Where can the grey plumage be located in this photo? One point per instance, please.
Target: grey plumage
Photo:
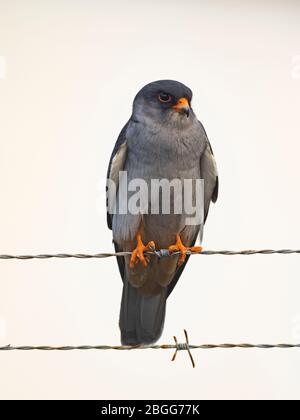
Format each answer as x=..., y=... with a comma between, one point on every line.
x=157, y=143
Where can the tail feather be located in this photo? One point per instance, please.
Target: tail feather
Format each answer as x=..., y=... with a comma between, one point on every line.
x=141, y=317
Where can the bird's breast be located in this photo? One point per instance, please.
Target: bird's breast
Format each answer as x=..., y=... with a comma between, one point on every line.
x=163, y=153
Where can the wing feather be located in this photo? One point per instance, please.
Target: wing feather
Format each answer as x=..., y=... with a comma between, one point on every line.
x=116, y=164
x=209, y=173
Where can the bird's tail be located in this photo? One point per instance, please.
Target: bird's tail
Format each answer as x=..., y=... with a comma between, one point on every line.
x=141, y=317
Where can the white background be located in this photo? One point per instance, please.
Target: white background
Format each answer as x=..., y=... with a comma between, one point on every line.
x=69, y=72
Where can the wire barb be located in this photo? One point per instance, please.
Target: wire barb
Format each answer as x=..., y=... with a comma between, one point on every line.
x=183, y=346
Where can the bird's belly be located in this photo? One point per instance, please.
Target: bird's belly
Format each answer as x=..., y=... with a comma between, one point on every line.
x=162, y=229
x=166, y=214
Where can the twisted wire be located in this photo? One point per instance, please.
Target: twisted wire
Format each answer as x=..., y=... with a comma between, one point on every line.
x=178, y=346
x=160, y=253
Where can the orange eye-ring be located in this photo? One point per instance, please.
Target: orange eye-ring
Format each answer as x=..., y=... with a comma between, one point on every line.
x=164, y=97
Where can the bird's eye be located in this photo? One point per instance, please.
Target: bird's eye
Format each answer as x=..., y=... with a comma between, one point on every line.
x=164, y=97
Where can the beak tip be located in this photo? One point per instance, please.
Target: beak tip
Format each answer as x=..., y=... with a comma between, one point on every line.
x=183, y=107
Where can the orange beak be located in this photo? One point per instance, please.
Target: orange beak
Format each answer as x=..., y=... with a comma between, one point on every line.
x=182, y=106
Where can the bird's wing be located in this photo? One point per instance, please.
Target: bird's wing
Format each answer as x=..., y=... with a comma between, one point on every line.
x=116, y=164
x=209, y=173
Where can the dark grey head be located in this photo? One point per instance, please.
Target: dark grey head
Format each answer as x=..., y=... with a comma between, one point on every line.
x=163, y=100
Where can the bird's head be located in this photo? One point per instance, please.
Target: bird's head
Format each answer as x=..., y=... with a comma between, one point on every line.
x=164, y=101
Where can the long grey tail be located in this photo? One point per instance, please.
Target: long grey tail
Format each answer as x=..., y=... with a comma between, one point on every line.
x=141, y=317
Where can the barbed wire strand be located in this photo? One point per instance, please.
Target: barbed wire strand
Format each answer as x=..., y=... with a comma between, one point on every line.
x=153, y=347
x=177, y=346
x=160, y=253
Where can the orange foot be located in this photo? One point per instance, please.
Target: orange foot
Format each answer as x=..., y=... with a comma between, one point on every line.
x=138, y=253
x=183, y=249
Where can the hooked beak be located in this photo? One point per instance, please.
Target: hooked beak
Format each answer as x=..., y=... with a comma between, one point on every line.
x=182, y=106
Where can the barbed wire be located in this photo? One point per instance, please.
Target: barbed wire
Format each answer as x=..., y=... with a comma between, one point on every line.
x=177, y=346
x=159, y=253
x=152, y=347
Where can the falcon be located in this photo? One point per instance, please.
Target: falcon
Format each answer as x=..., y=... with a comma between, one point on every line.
x=163, y=140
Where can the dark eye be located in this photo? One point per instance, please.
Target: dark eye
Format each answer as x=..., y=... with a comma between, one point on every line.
x=164, y=97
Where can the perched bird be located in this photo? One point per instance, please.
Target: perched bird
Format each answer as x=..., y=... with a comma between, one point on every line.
x=162, y=140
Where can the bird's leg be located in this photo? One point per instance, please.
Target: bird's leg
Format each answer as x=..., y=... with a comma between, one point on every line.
x=183, y=249
x=138, y=253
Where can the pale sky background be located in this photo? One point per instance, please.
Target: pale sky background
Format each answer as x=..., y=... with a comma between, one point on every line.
x=68, y=73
